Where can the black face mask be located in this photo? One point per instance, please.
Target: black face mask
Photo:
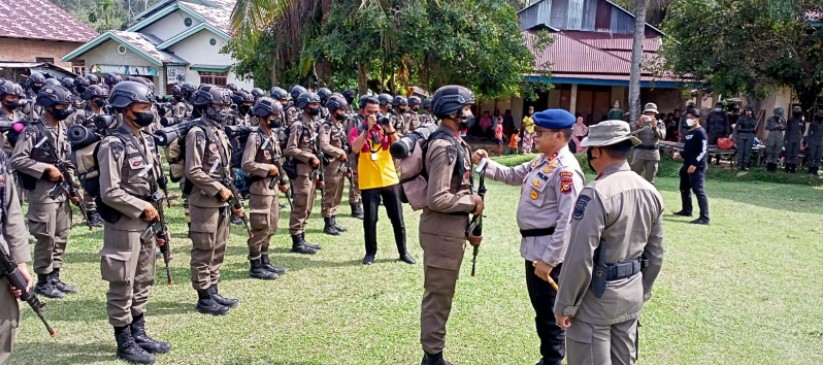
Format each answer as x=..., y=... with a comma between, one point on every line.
x=797, y=115
x=589, y=159
x=244, y=109
x=11, y=105
x=340, y=117
x=274, y=123
x=465, y=121
x=100, y=103
x=61, y=114
x=36, y=89
x=143, y=119
x=350, y=100
x=313, y=111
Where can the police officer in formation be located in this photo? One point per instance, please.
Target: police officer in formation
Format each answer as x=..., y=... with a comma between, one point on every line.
x=208, y=156
x=775, y=139
x=14, y=242
x=11, y=109
x=450, y=200
x=241, y=114
x=293, y=113
x=550, y=184
x=41, y=147
x=399, y=118
x=615, y=249
x=130, y=171
x=334, y=143
x=324, y=94
x=649, y=130
x=427, y=117
x=745, y=134
x=302, y=148
x=261, y=162
x=814, y=139
x=96, y=99
x=793, y=137
x=718, y=126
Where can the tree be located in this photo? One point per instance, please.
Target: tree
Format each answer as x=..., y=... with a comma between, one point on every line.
x=746, y=47
x=388, y=45
x=637, y=56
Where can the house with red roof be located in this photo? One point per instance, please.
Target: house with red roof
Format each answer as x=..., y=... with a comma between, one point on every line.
x=590, y=60
x=36, y=34
x=170, y=42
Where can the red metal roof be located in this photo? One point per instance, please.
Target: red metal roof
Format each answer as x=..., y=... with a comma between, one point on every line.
x=594, y=55
x=41, y=19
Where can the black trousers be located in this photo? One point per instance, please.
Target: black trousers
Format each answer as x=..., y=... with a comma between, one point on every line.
x=694, y=182
x=542, y=296
x=392, y=202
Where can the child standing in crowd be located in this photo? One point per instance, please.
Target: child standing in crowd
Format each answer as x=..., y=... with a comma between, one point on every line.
x=512, y=148
x=499, y=137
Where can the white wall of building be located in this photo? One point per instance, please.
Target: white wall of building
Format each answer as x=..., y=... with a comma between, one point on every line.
x=103, y=59
x=198, y=51
x=170, y=25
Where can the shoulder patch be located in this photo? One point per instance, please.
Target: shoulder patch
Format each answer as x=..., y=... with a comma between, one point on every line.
x=565, y=174
x=200, y=137
x=451, y=153
x=117, y=148
x=580, y=207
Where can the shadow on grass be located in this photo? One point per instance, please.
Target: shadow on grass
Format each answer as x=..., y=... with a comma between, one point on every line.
x=95, y=309
x=271, y=362
x=67, y=353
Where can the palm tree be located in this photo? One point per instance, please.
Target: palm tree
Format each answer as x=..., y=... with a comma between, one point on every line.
x=637, y=54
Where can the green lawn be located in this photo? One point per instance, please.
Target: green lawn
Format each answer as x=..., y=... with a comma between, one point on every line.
x=745, y=290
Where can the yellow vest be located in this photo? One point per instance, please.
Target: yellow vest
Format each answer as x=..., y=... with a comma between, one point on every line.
x=376, y=174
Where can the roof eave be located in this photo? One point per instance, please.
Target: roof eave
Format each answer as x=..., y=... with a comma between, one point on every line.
x=192, y=31
x=105, y=37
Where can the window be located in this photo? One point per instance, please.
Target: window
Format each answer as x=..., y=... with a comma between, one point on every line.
x=187, y=22
x=44, y=60
x=213, y=78
x=79, y=67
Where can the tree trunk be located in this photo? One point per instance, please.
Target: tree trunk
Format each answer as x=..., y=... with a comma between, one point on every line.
x=637, y=57
x=362, y=86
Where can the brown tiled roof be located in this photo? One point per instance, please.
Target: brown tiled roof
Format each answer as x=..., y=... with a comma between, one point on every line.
x=41, y=19
x=217, y=15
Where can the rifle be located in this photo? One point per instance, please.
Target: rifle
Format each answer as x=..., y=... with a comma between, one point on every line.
x=317, y=173
x=161, y=231
x=68, y=187
x=8, y=268
x=280, y=179
x=234, y=201
x=476, y=225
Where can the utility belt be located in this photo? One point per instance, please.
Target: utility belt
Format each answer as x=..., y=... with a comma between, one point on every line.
x=647, y=147
x=539, y=232
x=625, y=269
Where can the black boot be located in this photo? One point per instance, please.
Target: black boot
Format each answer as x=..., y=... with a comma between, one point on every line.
x=207, y=305
x=227, y=302
x=149, y=344
x=771, y=166
x=813, y=170
x=436, y=359
x=299, y=247
x=264, y=261
x=329, y=228
x=307, y=244
x=368, y=259
x=258, y=272
x=236, y=220
x=404, y=255
x=787, y=167
x=793, y=167
x=128, y=349
x=45, y=287
x=357, y=210
x=337, y=226
x=95, y=220
x=66, y=288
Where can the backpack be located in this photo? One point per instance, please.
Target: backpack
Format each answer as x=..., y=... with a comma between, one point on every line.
x=175, y=150
x=413, y=175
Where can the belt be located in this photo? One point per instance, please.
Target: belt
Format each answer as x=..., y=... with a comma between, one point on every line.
x=647, y=147
x=747, y=131
x=626, y=268
x=539, y=232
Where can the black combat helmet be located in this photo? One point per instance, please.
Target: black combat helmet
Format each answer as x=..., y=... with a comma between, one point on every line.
x=53, y=95
x=324, y=94
x=384, y=99
x=306, y=98
x=241, y=96
x=278, y=94
x=449, y=100
x=111, y=79
x=265, y=107
x=335, y=102
x=296, y=91
x=399, y=101
x=127, y=92
x=209, y=94
x=93, y=79
x=94, y=91
x=257, y=93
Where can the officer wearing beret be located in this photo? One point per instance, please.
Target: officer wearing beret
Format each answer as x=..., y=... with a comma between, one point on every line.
x=550, y=184
x=615, y=253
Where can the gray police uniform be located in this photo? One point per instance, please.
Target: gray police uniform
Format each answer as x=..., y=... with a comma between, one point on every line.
x=15, y=242
x=550, y=185
x=814, y=140
x=617, y=220
x=775, y=138
x=646, y=156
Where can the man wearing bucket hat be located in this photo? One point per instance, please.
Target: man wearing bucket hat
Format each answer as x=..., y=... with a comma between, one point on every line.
x=649, y=129
x=550, y=184
x=614, y=254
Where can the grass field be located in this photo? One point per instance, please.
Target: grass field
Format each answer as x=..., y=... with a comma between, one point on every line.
x=745, y=290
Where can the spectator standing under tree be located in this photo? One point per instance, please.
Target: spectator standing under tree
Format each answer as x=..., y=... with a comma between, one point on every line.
x=486, y=124
x=616, y=113
x=499, y=137
x=529, y=130
x=509, y=123
x=514, y=138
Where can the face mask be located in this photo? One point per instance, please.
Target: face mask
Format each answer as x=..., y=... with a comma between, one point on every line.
x=465, y=121
x=340, y=117
x=313, y=111
x=589, y=159
x=217, y=114
x=350, y=100
x=415, y=108
x=11, y=105
x=244, y=109
x=797, y=115
x=143, y=119
x=274, y=123
x=35, y=88
x=62, y=114
x=100, y=103
x=690, y=122
x=718, y=109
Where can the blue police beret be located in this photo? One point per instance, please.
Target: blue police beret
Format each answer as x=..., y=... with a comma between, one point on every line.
x=554, y=119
